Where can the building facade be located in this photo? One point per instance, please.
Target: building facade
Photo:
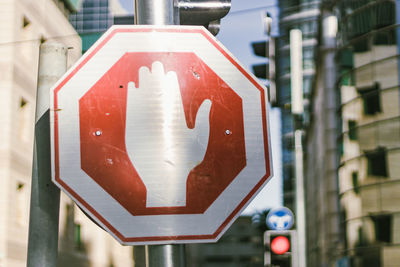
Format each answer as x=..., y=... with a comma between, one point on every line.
x=351, y=125
x=91, y=21
x=323, y=213
x=240, y=246
x=369, y=172
x=94, y=17
x=319, y=124
x=303, y=15
x=24, y=26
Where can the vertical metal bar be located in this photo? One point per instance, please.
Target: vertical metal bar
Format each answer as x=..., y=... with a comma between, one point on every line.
x=160, y=12
x=45, y=196
x=155, y=12
x=300, y=203
x=166, y=256
x=296, y=73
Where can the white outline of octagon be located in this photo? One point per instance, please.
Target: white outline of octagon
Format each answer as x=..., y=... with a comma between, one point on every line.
x=158, y=229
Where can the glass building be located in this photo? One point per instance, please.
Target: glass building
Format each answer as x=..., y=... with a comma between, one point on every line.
x=369, y=172
x=303, y=15
x=93, y=19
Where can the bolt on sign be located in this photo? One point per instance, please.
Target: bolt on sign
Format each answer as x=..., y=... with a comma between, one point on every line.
x=160, y=135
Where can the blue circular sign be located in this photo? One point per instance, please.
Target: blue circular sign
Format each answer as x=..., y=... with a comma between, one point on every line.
x=280, y=219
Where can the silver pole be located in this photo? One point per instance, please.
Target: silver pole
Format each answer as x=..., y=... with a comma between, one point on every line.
x=296, y=67
x=45, y=196
x=156, y=12
x=160, y=12
x=166, y=256
x=300, y=203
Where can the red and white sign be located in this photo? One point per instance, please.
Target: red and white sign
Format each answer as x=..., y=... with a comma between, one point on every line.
x=160, y=135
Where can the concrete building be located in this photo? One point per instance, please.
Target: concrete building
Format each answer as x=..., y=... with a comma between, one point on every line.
x=364, y=128
x=369, y=172
x=24, y=25
x=241, y=246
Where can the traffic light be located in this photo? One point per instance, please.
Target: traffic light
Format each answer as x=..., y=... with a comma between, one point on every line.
x=207, y=13
x=260, y=49
x=280, y=248
x=266, y=70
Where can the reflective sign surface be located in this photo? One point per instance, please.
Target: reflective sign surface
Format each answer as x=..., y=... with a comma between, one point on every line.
x=160, y=135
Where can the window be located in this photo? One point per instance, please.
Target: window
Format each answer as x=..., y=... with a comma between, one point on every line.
x=361, y=45
x=21, y=203
x=288, y=174
x=385, y=37
x=385, y=14
x=343, y=224
x=346, y=59
x=25, y=126
x=352, y=126
x=103, y=3
x=307, y=85
x=25, y=22
x=354, y=180
x=377, y=162
x=371, y=99
x=77, y=236
x=26, y=49
x=288, y=141
x=359, y=23
x=42, y=39
x=347, y=77
x=362, y=239
x=383, y=228
x=87, y=4
x=340, y=147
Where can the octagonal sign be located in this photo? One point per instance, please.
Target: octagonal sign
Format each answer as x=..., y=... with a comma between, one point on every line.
x=160, y=135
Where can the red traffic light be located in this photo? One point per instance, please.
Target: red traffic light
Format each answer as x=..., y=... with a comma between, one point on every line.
x=280, y=245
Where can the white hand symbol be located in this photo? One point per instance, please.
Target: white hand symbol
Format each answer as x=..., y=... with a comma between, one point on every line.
x=160, y=145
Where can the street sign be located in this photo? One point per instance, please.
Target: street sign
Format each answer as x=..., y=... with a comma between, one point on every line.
x=280, y=219
x=160, y=135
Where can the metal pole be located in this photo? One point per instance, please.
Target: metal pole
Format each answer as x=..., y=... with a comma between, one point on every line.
x=45, y=196
x=300, y=205
x=166, y=256
x=296, y=67
x=156, y=12
x=160, y=12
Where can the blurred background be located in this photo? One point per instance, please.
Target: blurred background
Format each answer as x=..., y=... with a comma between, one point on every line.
x=335, y=129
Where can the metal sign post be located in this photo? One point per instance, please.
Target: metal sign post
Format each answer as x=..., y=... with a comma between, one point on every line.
x=165, y=256
x=296, y=66
x=45, y=196
x=160, y=12
x=156, y=12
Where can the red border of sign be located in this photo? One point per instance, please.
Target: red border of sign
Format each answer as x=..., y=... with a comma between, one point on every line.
x=91, y=209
